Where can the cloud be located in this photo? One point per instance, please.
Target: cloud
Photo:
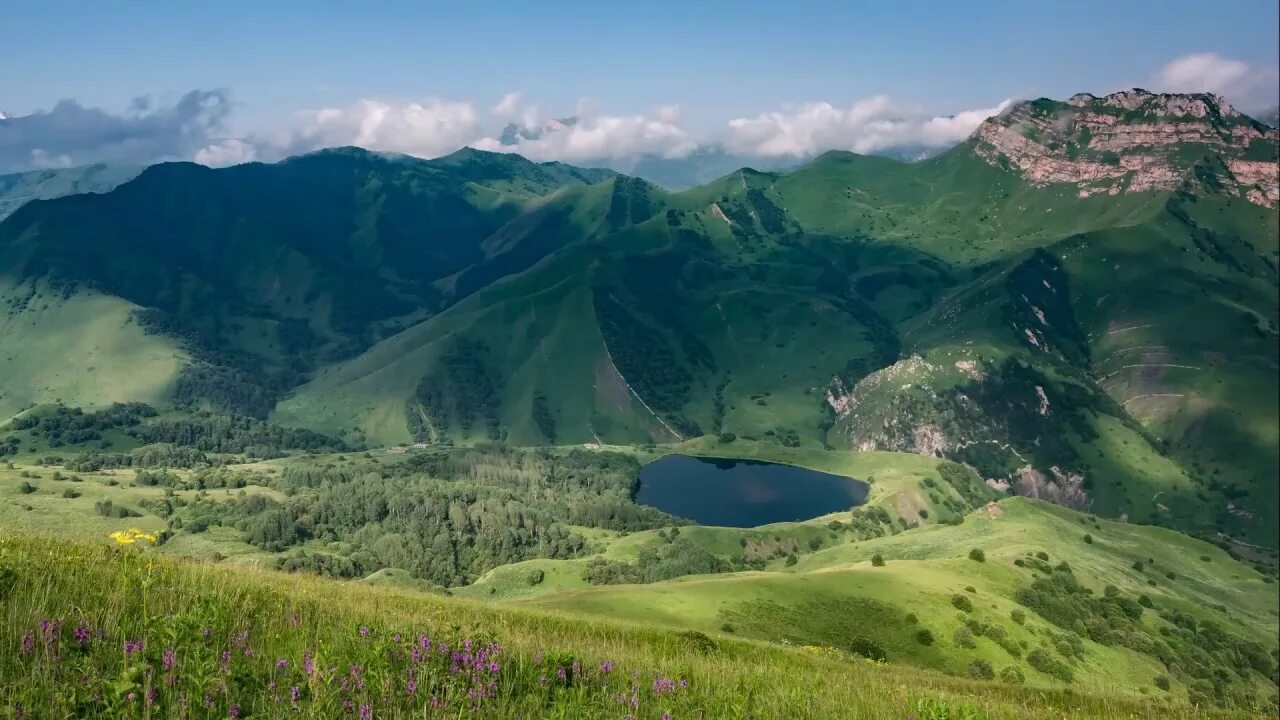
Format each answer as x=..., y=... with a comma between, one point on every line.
x=1241, y=83
x=872, y=125
x=589, y=137
x=228, y=151
x=429, y=128
x=507, y=107
x=72, y=134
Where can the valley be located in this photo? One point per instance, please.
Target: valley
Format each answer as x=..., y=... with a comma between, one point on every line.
x=993, y=432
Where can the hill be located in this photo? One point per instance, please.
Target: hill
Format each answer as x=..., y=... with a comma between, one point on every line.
x=1079, y=303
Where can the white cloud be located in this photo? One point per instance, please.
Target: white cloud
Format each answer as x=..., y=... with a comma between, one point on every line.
x=507, y=107
x=229, y=151
x=597, y=137
x=872, y=125
x=429, y=128
x=1241, y=83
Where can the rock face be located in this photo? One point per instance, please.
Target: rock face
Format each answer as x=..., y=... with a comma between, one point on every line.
x=1134, y=141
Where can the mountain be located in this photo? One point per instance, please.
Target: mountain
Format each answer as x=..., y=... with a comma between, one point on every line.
x=19, y=188
x=1079, y=302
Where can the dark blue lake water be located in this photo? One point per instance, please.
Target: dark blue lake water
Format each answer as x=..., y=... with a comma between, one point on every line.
x=743, y=493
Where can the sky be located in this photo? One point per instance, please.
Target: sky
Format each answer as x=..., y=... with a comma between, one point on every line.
x=141, y=81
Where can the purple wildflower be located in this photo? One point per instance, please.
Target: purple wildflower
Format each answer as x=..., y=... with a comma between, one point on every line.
x=151, y=697
x=294, y=694
x=308, y=665
x=662, y=685
x=131, y=647
x=281, y=664
x=606, y=667
x=82, y=634
x=364, y=631
x=366, y=712
x=170, y=659
x=131, y=697
x=233, y=711
x=28, y=643
x=424, y=642
x=410, y=687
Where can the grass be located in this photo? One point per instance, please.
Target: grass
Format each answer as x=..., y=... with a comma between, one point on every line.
x=121, y=594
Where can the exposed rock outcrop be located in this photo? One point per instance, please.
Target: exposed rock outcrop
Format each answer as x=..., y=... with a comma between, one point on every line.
x=1133, y=141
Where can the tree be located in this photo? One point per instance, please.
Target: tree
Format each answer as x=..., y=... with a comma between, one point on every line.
x=877, y=560
x=978, y=555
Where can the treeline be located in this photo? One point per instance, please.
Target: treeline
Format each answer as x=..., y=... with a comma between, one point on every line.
x=459, y=391
x=221, y=433
x=73, y=426
x=446, y=517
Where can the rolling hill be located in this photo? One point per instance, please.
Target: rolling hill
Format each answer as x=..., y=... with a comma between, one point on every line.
x=1079, y=302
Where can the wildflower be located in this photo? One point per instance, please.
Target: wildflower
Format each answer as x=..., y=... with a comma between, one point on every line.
x=151, y=697
x=233, y=711
x=294, y=694
x=410, y=687
x=424, y=642
x=170, y=659
x=82, y=634
x=28, y=643
x=366, y=712
x=396, y=638
x=666, y=716
x=308, y=665
x=606, y=667
x=131, y=696
x=281, y=664
x=364, y=632
x=662, y=685
x=132, y=647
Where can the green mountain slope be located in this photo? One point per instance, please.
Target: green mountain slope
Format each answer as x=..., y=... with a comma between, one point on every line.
x=20, y=188
x=1079, y=302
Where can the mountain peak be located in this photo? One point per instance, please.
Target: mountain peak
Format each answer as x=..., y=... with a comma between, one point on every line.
x=1132, y=141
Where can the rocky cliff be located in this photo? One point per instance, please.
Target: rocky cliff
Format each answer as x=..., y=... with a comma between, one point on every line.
x=1134, y=141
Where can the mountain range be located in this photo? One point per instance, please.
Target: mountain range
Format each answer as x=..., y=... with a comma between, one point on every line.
x=1079, y=302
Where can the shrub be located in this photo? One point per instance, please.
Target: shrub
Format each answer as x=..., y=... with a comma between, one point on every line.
x=1012, y=674
x=1137, y=565
x=924, y=636
x=924, y=514
x=727, y=437
x=1018, y=616
x=1162, y=682
x=70, y=493
x=791, y=559
x=971, y=589
x=962, y=603
x=26, y=488
x=977, y=555
x=536, y=576
x=1049, y=665
x=964, y=638
x=1043, y=555
x=877, y=560
x=1019, y=562
x=1088, y=538
x=866, y=648
x=726, y=627
x=911, y=619
x=1145, y=601
x=981, y=670
x=1205, y=558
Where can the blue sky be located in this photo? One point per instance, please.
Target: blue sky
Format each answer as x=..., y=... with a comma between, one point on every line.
x=716, y=60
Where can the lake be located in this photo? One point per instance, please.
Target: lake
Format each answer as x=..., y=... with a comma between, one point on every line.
x=743, y=493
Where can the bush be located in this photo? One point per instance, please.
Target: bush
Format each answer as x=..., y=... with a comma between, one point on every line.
x=971, y=589
x=962, y=603
x=536, y=576
x=1145, y=601
x=981, y=670
x=1205, y=558
x=1018, y=616
x=1049, y=665
x=726, y=627
x=924, y=636
x=70, y=493
x=866, y=648
x=1088, y=538
x=1137, y=565
x=1162, y=682
x=1012, y=674
x=977, y=555
x=912, y=619
x=1043, y=555
x=26, y=488
x=877, y=560
x=964, y=638
x=727, y=437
